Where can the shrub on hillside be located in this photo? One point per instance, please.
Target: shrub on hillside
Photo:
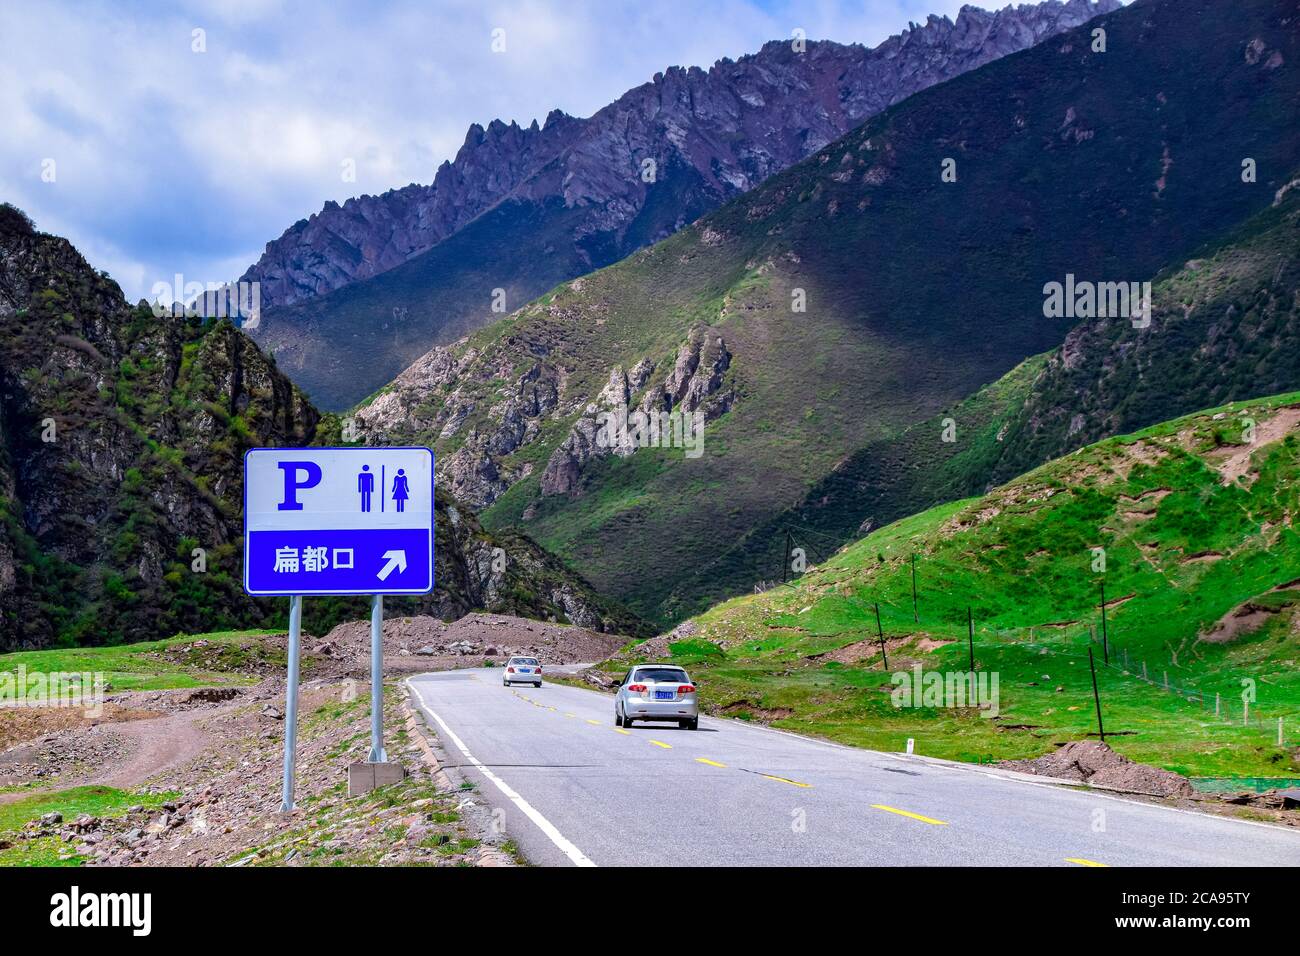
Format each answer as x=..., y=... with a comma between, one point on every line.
x=14, y=220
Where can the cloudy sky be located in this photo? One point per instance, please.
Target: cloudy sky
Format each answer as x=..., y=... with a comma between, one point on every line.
x=175, y=151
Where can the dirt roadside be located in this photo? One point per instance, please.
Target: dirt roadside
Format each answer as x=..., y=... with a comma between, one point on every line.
x=214, y=757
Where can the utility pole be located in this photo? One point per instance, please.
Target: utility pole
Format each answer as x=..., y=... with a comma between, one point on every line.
x=785, y=563
x=1105, y=646
x=916, y=615
x=1096, y=696
x=970, y=636
x=881, y=631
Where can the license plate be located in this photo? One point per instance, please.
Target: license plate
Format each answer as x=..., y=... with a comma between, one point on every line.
x=664, y=695
x=524, y=670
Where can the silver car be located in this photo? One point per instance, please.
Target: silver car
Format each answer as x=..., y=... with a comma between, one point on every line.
x=656, y=692
x=522, y=670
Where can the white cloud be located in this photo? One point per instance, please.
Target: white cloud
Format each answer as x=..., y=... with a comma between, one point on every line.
x=170, y=160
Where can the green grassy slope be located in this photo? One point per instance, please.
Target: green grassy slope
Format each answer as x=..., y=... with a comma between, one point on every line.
x=228, y=658
x=1225, y=326
x=919, y=292
x=1196, y=528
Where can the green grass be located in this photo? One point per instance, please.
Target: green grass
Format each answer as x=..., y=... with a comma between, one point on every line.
x=1021, y=559
x=147, y=666
x=103, y=802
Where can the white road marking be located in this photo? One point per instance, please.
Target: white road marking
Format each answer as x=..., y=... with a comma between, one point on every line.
x=546, y=826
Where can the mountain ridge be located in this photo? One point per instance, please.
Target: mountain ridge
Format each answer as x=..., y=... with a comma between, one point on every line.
x=550, y=202
x=1223, y=327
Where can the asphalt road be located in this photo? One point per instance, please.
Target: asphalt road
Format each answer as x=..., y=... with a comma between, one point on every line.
x=576, y=790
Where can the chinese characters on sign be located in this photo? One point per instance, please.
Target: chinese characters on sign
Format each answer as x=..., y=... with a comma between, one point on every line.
x=313, y=559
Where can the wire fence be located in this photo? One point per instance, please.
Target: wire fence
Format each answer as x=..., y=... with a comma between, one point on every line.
x=1231, y=704
x=1225, y=706
x=1238, y=784
x=1235, y=706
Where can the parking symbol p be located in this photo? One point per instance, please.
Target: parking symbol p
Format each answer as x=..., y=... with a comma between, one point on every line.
x=311, y=476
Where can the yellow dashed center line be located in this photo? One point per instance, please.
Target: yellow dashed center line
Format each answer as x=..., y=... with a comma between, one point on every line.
x=595, y=723
x=1082, y=862
x=914, y=816
x=793, y=783
x=571, y=715
x=660, y=743
x=711, y=763
x=620, y=730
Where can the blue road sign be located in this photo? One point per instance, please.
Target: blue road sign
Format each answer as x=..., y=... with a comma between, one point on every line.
x=338, y=521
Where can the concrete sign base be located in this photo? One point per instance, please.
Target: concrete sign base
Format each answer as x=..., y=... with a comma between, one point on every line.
x=364, y=777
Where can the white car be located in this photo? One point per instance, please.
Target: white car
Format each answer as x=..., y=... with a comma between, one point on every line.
x=656, y=692
x=522, y=670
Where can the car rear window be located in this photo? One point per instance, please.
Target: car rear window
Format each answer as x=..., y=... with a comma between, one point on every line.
x=524, y=660
x=658, y=674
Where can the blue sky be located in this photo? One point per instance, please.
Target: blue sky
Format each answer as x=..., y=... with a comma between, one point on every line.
x=169, y=160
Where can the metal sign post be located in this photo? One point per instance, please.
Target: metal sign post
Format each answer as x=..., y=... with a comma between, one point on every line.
x=377, y=754
x=338, y=521
x=291, y=703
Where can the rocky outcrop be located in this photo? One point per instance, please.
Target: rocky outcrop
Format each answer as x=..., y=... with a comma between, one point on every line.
x=441, y=395
x=121, y=465
x=609, y=427
x=472, y=472
x=696, y=377
x=121, y=454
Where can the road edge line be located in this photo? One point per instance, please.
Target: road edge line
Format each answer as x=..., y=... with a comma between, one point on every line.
x=576, y=856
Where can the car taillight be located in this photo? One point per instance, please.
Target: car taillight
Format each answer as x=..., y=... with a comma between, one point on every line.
x=510, y=670
x=686, y=689
x=636, y=688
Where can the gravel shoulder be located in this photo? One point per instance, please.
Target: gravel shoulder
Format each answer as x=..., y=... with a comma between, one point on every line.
x=199, y=770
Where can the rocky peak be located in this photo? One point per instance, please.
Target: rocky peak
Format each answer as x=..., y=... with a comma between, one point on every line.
x=730, y=127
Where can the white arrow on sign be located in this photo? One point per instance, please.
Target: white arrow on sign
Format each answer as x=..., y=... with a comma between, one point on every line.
x=396, y=560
